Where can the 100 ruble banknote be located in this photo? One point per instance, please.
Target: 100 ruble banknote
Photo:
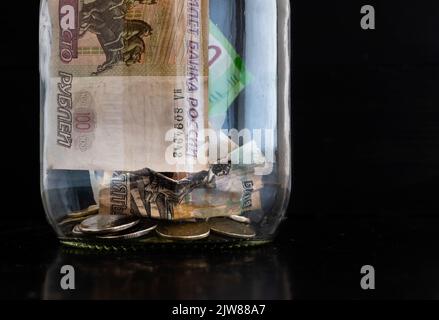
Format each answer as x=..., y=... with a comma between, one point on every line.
x=119, y=75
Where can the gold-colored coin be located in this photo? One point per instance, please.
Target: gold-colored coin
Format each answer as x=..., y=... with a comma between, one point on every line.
x=185, y=231
x=143, y=228
x=230, y=228
x=94, y=209
x=70, y=220
x=104, y=224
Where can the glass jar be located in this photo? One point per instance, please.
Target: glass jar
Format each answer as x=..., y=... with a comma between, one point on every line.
x=165, y=121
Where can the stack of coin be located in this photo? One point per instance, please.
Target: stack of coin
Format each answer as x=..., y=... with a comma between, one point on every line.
x=116, y=227
x=104, y=224
x=124, y=227
x=231, y=227
x=143, y=228
x=80, y=215
x=77, y=231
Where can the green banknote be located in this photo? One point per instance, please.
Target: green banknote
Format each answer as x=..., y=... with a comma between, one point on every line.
x=227, y=72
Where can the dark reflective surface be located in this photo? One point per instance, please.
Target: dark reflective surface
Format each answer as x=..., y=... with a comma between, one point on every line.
x=251, y=274
x=312, y=259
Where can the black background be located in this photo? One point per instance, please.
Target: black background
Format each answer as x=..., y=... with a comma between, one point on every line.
x=366, y=109
x=365, y=135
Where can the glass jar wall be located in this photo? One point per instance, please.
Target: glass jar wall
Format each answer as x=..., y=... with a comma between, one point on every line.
x=165, y=121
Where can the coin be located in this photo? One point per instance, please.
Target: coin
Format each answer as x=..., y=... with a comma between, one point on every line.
x=70, y=220
x=183, y=231
x=230, y=228
x=77, y=231
x=143, y=228
x=102, y=224
x=240, y=219
x=94, y=209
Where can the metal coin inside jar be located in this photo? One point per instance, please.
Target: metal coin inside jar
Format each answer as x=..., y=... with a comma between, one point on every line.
x=143, y=228
x=230, y=228
x=77, y=231
x=102, y=224
x=183, y=231
x=240, y=219
x=67, y=221
x=84, y=213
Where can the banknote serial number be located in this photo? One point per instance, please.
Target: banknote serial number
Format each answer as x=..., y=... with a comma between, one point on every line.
x=221, y=310
x=179, y=118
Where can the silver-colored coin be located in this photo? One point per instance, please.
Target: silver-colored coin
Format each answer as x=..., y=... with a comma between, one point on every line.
x=104, y=224
x=185, y=231
x=230, y=228
x=92, y=210
x=77, y=231
x=240, y=219
x=143, y=228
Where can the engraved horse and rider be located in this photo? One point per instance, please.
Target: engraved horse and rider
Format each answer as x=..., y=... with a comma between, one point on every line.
x=121, y=39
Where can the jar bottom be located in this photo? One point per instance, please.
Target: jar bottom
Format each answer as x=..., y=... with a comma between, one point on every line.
x=101, y=232
x=157, y=243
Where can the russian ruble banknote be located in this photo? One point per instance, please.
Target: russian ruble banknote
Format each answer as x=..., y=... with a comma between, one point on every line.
x=223, y=190
x=202, y=195
x=121, y=74
x=126, y=84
